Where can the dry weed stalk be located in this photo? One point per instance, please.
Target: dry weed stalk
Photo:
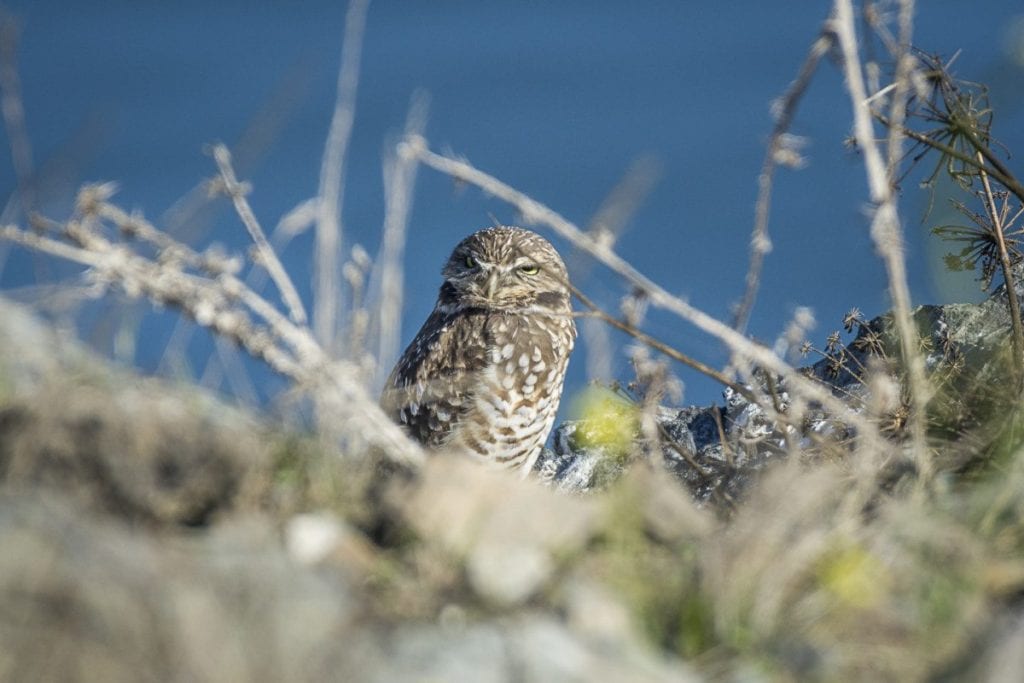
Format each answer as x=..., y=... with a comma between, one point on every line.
x=267, y=257
x=327, y=304
x=658, y=345
x=387, y=277
x=885, y=224
x=998, y=223
x=781, y=152
x=608, y=224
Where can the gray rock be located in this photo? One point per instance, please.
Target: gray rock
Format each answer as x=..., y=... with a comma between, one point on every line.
x=965, y=348
x=531, y=648
x=426, y=652
x=88, y=598
x=139, y=448
x=508, y=531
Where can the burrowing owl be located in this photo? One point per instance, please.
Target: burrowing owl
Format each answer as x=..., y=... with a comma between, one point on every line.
x=484, y=374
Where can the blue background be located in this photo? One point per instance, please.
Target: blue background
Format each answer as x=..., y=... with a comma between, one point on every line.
x=557, y=99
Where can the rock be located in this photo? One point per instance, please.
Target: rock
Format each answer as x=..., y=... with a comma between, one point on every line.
x=965, y=348
x=323, y=539
x=416, y=652
x=508, y=573
x=531, y=648
x=86, y=597
x=509, y=531
x=141, y=449
x=545, y=650
x=140, y=453
x=312, y=537
x=1003, y=658
x=595, y=613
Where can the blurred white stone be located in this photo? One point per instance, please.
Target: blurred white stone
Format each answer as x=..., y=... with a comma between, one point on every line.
x=508, y=573
x=1004, y=661
x=310, y=538
x=595, y=613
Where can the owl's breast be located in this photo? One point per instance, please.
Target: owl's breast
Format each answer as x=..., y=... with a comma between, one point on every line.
x=518, y=389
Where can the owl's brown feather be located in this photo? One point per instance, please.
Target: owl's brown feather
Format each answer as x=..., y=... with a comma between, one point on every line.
x=484, y=374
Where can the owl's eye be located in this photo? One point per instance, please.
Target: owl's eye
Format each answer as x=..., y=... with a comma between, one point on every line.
x=470, y=262
x=530, y=269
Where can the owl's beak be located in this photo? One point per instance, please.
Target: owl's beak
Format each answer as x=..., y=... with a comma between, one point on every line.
x=492, y=283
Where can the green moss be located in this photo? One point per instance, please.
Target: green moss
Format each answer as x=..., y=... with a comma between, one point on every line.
x=853, y=576
x=607, y=422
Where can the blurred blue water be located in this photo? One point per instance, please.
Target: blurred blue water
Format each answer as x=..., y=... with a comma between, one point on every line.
x=555, y=98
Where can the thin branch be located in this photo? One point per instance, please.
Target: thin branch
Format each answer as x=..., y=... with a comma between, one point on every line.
x=399, y=182
x=1005, y=176
x=760, y=242
x=267, y=256
x=174, y=349
x=1000, y=173
x=48, y=245
x=332, y=178
x=727, y=451
x=225, y=364
x=625, y=198
x=606, y=225
x=902, y=80
x=661, y=346
x=1004, y=262
x=885, y=231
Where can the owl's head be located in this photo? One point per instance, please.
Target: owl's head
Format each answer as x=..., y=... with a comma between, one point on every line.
x=506, y=268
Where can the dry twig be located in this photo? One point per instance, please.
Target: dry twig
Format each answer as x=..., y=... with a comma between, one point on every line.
x=267, y=256
x=399, y=181
x=657, y=345
x=760, y=242
x=326, y=305
x=885, y=231
x=1004, y=261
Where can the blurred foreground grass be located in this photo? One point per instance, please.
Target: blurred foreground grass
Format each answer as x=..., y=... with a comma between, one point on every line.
x=806, y=579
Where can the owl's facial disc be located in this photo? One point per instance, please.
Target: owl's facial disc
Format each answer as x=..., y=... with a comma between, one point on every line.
x=505, y=268
x=482, y=282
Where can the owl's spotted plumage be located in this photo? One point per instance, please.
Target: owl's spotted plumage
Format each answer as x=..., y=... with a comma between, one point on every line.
x=484, y=374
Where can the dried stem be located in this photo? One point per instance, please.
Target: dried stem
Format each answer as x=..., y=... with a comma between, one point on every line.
x=660, y=346
x=399, y=182
x=607, y=224
x=902, y=82
x=1007, y=268
x=267, y=256
x=885, y=231
x=760, y=242
x=1005, y=177
x=225, y=364
x=332, y=179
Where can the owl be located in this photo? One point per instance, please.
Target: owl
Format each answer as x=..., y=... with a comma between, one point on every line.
x=484, y=374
